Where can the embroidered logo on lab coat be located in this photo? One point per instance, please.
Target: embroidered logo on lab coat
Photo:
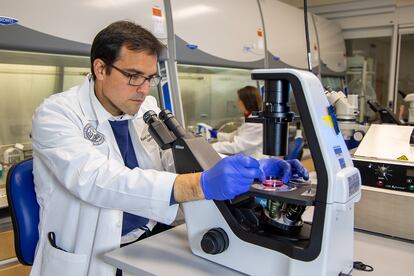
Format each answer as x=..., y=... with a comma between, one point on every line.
x=91, y=134
x=145, y=135
x=146, y=138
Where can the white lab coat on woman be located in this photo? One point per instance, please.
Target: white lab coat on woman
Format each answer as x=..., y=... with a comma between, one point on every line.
x=83, y=187
x=247, y=139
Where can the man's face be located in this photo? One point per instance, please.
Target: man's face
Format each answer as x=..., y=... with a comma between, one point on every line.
x=113, y=90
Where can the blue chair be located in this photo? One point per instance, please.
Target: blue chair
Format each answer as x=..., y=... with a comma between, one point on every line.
x=295, y=149
x=24, y=210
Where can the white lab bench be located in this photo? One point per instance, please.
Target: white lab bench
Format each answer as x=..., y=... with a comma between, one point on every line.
x=169, y=253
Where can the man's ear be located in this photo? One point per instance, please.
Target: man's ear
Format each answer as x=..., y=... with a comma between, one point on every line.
x=99, y=67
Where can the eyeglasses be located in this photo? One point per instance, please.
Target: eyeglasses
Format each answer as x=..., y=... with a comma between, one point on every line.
x=138, y=79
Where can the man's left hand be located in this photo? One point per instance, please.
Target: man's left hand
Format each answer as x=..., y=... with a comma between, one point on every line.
x=285, y=170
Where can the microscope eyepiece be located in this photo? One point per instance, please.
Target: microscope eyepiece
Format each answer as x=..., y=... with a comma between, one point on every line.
x=169, y=119
x=165, y=114
x=158, y=130
x=150, y=116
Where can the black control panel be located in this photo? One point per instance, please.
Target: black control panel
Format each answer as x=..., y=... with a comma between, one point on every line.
x=384, y=175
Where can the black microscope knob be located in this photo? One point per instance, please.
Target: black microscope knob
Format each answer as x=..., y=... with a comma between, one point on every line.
x=215, y=241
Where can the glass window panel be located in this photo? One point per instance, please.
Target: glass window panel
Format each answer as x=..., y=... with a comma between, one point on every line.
x=73, y=76
x=333, y=82
x=209, y=94
x=23, y=88
x=368, y=72
x=27, y=78
x=406, y=74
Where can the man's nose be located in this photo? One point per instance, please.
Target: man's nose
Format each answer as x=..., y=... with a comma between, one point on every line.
x=144, y=88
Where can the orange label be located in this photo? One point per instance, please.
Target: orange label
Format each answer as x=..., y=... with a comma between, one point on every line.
x=259, y=33
x=156, y=11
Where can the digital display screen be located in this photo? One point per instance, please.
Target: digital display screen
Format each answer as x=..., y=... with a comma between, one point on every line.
x=410, y=172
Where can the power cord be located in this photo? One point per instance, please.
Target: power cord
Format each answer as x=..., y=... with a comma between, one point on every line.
x=308, y=50
x=363, y=267
x=359, y=266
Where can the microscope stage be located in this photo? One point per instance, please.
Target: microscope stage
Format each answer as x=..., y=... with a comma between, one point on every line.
x=299, y=194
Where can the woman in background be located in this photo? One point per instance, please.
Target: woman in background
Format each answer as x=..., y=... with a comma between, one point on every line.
x=248, y=138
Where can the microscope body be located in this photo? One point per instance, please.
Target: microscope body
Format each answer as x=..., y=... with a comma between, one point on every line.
x=272, y=239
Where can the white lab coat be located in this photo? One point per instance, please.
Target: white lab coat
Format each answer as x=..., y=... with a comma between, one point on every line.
x=247, y=139
x=82, y=185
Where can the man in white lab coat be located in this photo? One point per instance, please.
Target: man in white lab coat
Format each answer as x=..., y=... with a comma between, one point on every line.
x=94, y=160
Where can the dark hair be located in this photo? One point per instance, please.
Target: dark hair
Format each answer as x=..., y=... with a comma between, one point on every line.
x=250, y=96
x=109, y=41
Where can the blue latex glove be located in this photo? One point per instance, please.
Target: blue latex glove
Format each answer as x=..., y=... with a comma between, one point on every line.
x=282, y=169
x=230, y=177
x=298, y=170
x=213, y=133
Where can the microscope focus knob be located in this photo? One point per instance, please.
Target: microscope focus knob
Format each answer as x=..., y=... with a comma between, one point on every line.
x=215, y=241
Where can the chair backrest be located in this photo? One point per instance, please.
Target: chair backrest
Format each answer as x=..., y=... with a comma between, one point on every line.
x=295, y=149
x=24, y=210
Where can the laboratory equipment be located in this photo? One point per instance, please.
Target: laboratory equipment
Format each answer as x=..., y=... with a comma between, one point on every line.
x=14, y=155
x=273, y=239
x=386, y=115
x=206, y=131
x=395, y=175
x=384, y=166
x=385, y=161
x=361, y=82
x=346, y=110
x=409, y=98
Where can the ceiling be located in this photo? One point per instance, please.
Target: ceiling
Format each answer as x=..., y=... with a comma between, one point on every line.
x=299, y=3
x=313, y=3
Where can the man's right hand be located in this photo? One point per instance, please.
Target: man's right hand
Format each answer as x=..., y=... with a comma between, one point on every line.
x=230, y=177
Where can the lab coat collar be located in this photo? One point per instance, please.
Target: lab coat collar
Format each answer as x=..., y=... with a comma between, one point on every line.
x=85, y=100
x=96, y=114
x=93, y=109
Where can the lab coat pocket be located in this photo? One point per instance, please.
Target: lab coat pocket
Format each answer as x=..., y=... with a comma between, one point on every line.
x=58, y=262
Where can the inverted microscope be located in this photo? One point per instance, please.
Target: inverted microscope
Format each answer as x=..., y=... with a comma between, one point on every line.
x=262, y=231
